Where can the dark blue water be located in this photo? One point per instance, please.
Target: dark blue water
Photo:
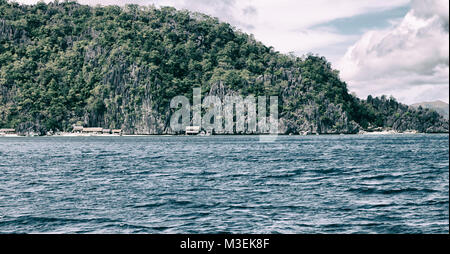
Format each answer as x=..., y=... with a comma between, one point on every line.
x=234, y=184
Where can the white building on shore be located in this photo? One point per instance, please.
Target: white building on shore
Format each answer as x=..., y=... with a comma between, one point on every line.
x=193, y=130
x=7, y=131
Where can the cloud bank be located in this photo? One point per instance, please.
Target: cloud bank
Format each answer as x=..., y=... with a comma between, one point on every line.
x=409, y=60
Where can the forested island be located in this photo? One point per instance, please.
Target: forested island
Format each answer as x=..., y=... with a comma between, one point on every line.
x=64, y=64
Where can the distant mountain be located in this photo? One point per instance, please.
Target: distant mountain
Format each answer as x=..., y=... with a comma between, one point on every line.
x=439, y=106
x=64, y=64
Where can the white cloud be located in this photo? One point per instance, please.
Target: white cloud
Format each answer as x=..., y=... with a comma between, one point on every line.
x=409, y=60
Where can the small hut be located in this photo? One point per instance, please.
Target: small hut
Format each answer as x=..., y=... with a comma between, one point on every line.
x=93, y=130
x=7, y=131
x=77, y=129
x=117, y=132
x=193, y=130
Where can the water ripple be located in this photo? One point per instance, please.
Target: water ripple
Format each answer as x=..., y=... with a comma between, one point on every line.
x=232, y=184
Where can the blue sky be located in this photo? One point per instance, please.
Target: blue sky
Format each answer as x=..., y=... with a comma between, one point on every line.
x=396, y=47
x=359, y=24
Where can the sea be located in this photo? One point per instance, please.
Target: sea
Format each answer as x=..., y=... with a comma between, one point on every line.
x=346, y=184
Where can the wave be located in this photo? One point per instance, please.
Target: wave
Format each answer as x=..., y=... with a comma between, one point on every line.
x=174, y=202
x=31, y=220
x=381, y=177
x=365, y=190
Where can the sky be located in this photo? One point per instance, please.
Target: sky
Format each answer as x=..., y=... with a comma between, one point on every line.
x=396, y=47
